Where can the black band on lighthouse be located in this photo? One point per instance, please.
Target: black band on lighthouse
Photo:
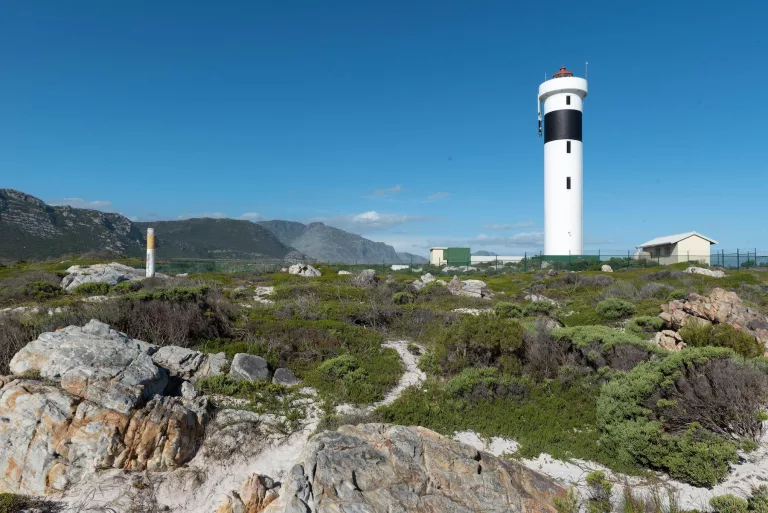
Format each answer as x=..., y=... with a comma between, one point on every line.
x=562, y=124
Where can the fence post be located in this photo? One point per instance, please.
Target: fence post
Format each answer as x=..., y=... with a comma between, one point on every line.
x=629, y=260
x=688, y=256
x=738, y=263
x=525, y=262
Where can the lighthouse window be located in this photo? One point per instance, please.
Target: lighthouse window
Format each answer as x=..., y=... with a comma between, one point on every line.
x=568, y=146
x=568, y=182
x=568, y=99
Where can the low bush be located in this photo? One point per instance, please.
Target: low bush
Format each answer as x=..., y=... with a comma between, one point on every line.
x=615, y=308
x=599, y=489
x=728, y=504
x=699, y=334
x=644, y=325
x=677, y=295
x=91, y=289
x=683, y=414
x=41, y=290
x=621, y=289
x=508, y=310
x=474, y=341
x=758, y=501
x=126, y=287
x=600, y=346
x=15, y=503
x=487, y=384
x=402, y=298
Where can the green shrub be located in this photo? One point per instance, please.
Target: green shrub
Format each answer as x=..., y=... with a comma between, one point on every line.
x=567, y=504
x=631, y=407
x=508, y=310
x=475, y=341
x=94, y=288
x=536, y=308
x=42, y=290
x=728, y=504
x=14, y=503
x=126, y=287
x=599, y=500
x=615, y=308
x=677, y=295
x=644, y=324
x=403, y=298
x=357, y=380
x=758, y=501
x=486, y=384
x=699, y=334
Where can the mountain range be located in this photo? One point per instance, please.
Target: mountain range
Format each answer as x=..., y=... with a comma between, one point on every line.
x=30, y=229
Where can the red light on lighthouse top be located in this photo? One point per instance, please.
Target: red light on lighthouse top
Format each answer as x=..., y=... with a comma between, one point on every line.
x=562, y=73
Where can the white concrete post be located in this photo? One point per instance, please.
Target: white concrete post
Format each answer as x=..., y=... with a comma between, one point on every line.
x=150, y=252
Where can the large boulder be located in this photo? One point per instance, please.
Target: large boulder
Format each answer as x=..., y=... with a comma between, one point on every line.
x=606, y=268
x=249, y=367
x=378, y=467
x=469, y=288
x=427, y=278
x=95, y=363
x=188, y=364
x=304, y=270
x=111, y=274
x=366, y=278
x=705, y=272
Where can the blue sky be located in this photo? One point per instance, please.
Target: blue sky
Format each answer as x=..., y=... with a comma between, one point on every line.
x=409, y=122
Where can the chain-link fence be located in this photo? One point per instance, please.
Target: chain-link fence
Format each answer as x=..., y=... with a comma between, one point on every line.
x=737, y=259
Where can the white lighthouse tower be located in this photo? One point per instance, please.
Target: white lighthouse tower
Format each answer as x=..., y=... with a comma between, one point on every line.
x=563, y=97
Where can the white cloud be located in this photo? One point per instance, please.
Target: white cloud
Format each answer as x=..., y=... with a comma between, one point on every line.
x=437, y=196
x=214, y=215
x=367, y=222
x=81, y=203
x=388, y=192
x=501, y=227
x=252, y=216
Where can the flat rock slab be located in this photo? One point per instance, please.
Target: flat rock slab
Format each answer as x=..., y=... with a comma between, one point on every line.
x=379, y=467
x=189, y=364
x=249, y=367
x=95, y=363
x=285, y=377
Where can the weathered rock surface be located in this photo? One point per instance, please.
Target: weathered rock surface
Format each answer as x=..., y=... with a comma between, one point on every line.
x=285, y=377
x=256, y=493
x=606, y=268
x=720, y=307
x=705, y=272
x=51, y=439
x=95, y=363
x=111, y=274
x=427, y=278
x=366, y=278
x=305, y=270
x=249, y=367
x=669, y=339
x=382, y=468
x=469, y=288
x=344, y=272
x=189, y=364
x=418, y=285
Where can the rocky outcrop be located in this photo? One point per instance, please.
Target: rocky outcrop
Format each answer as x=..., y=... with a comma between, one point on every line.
x=95, y=363
x=100, y=407
x=111, y=274
x=706, y=272
x=383, y=468
x=304, y=270
x=669, y=339
x=189, y=364
x=249, y=367
x=366, y=278
x=719, y=307
x=427, y=278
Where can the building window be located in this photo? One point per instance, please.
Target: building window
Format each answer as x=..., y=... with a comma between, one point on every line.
x=568, y=99
x=568, y=146
x=568, y=182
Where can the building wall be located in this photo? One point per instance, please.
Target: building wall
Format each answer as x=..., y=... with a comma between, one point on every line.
x=436, y=256
x=693, y=248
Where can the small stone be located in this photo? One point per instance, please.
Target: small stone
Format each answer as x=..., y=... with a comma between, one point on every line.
x=249, y=367
x=366, y=278
x=344, y=272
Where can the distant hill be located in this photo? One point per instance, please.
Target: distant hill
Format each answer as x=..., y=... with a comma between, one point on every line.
x=32, y=230
x=483, y=253
x=329, y=244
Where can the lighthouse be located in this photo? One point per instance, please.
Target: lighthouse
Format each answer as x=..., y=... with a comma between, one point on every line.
x=563, y=98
